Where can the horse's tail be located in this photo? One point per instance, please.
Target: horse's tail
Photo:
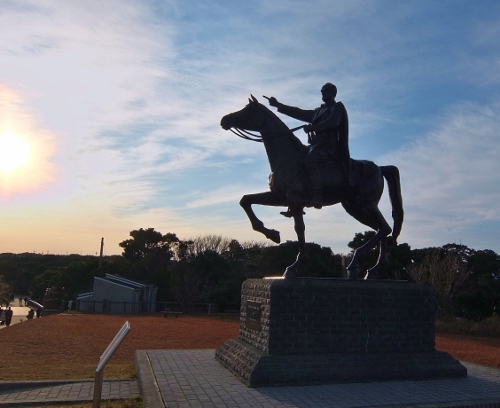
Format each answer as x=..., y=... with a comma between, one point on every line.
x=391, y=174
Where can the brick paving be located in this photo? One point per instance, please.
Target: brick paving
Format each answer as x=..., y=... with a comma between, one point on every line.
x=192, y=378
x=24, y=394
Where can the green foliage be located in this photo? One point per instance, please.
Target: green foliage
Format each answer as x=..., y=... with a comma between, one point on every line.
x=476, y=298
x=63, y=282
x=399, y=256
x=273, y=260
x=447, y=273
x=146, y=242
x=31, y=274
x=212, y=268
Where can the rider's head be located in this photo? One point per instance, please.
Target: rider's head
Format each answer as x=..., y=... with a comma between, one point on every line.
x=328, y=92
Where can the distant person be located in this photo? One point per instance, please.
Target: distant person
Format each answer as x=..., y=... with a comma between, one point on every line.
x=8, y=316
x=2, y=319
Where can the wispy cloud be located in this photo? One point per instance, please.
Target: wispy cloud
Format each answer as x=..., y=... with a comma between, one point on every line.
x=127, y=97
x=449, y=176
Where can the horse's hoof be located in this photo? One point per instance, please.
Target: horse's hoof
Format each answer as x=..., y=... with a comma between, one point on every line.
x=370, y=276
x=274, y=236
x=290, y=273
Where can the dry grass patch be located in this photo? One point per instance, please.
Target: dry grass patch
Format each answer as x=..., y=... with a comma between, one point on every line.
x=69, y=346
x=489, y=327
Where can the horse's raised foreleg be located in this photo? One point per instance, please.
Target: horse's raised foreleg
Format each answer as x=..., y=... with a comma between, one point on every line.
x=300, y=228
x=268, y=198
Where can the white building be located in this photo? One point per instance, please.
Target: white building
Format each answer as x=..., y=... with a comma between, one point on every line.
x=114, y=294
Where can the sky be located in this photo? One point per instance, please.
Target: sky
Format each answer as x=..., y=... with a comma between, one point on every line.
x=110, y=115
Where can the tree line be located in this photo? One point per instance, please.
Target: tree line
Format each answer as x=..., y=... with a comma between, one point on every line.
x=212, y=268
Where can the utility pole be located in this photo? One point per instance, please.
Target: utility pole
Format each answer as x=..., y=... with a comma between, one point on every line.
x=102, y=251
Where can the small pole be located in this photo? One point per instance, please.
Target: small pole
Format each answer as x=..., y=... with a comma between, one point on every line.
x=102, y=252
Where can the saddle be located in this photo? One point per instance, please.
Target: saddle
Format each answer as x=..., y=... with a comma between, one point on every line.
x=334, y=176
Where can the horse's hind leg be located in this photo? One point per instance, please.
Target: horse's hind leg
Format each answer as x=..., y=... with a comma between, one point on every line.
x=370, y=215
x=382, y=259
x=268, y=198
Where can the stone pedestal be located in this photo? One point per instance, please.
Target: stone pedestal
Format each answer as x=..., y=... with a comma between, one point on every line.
x=312, y=331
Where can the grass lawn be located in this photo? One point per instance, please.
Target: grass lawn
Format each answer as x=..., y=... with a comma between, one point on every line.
x=68, y=346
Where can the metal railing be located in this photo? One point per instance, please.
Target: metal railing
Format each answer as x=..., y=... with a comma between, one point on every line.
x=127, y=307
x=108, y=353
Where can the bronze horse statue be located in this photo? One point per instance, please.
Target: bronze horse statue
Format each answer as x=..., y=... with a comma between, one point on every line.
x=289, y=187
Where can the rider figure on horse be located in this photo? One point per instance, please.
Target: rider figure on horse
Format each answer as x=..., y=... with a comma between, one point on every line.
x=328, y=137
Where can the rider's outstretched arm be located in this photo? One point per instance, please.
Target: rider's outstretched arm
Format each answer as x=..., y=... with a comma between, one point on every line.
x=292, y=111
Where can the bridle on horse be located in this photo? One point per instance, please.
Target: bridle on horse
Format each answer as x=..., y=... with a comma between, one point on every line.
x=245, y=134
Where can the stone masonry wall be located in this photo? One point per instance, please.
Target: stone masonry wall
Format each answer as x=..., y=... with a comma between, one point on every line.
x=318, y=316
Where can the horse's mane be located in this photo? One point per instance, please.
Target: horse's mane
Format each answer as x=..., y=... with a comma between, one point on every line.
x=296, y=142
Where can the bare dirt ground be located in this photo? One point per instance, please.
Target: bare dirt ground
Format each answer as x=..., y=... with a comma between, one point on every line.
x=474, y=349
x=69, y=346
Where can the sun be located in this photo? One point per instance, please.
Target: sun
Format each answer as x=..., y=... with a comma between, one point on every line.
x=14, y=151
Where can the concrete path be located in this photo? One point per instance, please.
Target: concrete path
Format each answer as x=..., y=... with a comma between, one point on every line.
x=20, y=313
x=193, y=378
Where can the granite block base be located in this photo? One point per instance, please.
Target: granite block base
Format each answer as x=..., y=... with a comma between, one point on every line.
x=313, y=331
x=255, y=368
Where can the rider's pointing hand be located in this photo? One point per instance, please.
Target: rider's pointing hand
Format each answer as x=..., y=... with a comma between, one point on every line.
x=273, y=101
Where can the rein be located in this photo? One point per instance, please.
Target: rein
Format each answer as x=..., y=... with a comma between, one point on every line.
x=245, y=134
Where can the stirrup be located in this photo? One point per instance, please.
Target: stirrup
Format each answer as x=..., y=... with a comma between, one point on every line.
x=289, y=214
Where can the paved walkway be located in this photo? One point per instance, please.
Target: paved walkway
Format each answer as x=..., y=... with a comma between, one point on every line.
x=193, y=378
x=19, y=315
x=24, y=394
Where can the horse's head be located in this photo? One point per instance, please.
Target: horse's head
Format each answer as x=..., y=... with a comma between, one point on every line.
x=255, y=117
x=248, y=118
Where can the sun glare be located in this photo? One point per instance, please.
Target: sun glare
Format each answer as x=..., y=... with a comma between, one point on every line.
x=14, y=152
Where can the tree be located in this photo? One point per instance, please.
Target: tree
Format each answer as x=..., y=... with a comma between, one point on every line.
x=146, y=242
x=399, y=256
x=195, y=278
x=370, y=258
x=273, y=260
x=484, y=298
x=447, y=273
x=216, y=243
x=5, y=291
x=64, y=282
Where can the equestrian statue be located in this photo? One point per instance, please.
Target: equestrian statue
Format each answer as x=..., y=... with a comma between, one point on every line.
x=317, y=175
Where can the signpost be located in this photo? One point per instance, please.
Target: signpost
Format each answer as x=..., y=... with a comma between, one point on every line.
x=108, y=353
